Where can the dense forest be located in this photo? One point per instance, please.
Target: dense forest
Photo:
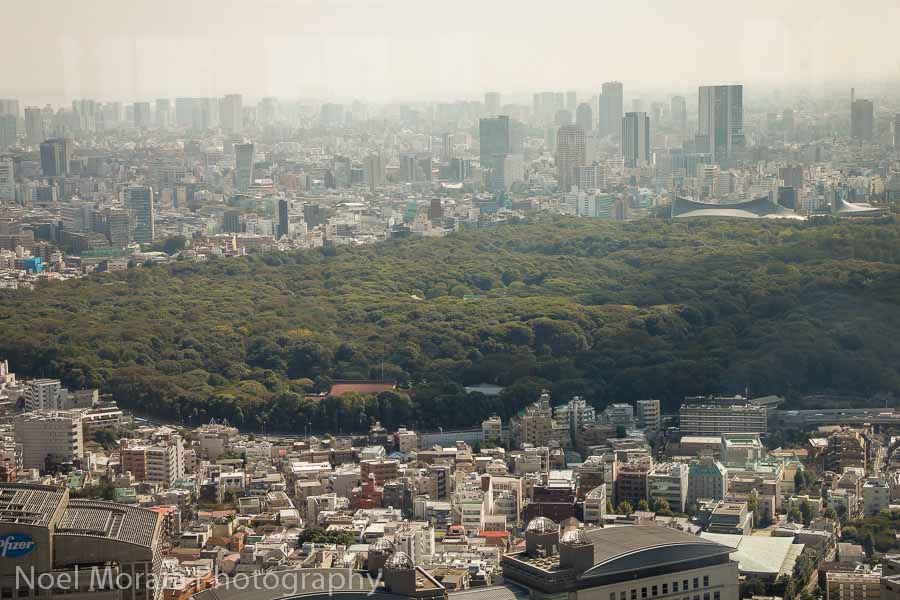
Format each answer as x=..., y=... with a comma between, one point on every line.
x=611, y=312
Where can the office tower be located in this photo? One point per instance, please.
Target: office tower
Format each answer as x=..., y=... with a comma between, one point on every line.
x=562, y=117
x=862, y=119
x=55, y=156
x=163, y=113
x=636, y=139
x=49, y=436
x=267, y=111
x=7, y=181
x=787, y=124
x=584, y=120
x=115, y=224
x=111, y=115
x=9, y=131
x=142, y=115
x=570, y=154
x=792, y=176
x=549, y=106
x=494, y=139
x=897, y=130
x=492, y=103
x=9, y=106
x=610, y=109
x=678, y=108
x=571, y=101
x=720, y=121
x=447, y=146
x=637, y=105
x=244, y=158
x=374, y=171
x=139, y=202
x=184, y=111
x=231, y=113
x=231, y=221
x=331, y=115
x=508, y=169
x=282, y=229
x=34, y=126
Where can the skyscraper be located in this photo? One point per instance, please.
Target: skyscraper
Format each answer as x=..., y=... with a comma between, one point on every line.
x=244, y=157
x=862, y=119
x=571, y=101
x=34, y=126
x=897, y=130
x=720, y=121
x=7, y=181
x=492, y=103
x=494, y=138
x=139, y=202
x=570, y=154
x=142, y=115
x=9, y=131
x=55, y=156
x=232, y=113
x=282, y=228
x=163, y=113
x=374, y=171
x=678, y=109
x=636, y=139
x=584, y=119
x=610, y=109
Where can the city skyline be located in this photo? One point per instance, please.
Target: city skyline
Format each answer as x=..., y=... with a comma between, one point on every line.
x=293, y=49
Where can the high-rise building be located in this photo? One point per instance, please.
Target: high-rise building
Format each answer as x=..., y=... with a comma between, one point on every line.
x=678, y=108
x=636, y=139
x=648, y=414
x=787, y=124
x=374, y=171
x=283, y=227
x=570, y=154
x=9, y=106
x=896, y=139
x=163, y=113
x=232, y=113
x=7, y=181
x=55, y=156
x=44, y=394
x=492, y=103
x=494, y=139
x=139, y=202
x=571, y=101
x=142, y=115
x=720, y=130
x=562, y=117
x=610, y=109
x=9, y=131
x=49, y=436
x=862, y=119
x=34, y=126
x=244, y=158
x=184, y=111
x=584, y=118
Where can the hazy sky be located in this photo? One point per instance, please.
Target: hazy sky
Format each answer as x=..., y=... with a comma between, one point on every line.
x=57, y=50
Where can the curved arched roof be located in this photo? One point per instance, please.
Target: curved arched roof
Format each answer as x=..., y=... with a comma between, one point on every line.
x=749, y=209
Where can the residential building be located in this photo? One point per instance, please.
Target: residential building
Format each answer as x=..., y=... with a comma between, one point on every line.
x=140, y=205
x=712, y=419
x=570, y=154
x=669, y=481
x=648, y=414
x=49, y=438
x=707, y=480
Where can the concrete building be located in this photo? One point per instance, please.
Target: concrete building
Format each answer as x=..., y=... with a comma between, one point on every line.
x=244, y=159
x=648, y=414
x=720, y=130
x=570, y=154
x=621, y=563
x=636, y=139
x=492, y=429
x=140, y=205
x=669, y=481
x=595, y=504
x=45, y=394
x=716, y=419
x=876, y=496
x=707, y=480
x=730, y=518
x=161, y=463
x=852, y=586
x=49, y=437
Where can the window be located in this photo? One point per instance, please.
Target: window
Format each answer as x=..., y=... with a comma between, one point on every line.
x=654, y=590
x=622, y=595
x=665, y=588
x=706, y=581
x=684, y=585
x=643, y=592
x=612, y=596
x=634, y=594
x=717, y=596
x=674, y=586
x=696, y=582
x=706, y=596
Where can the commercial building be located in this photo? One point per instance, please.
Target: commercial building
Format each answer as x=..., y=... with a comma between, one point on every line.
x=161, y=463
x=610, y=108
x=713, y=419
x=707, y=480
x=77, y=548
x=862, y=119
x=720, y=121
x=852, y=586
x=621, y=563
x=139, y=202
x=55, y=156
x=669, y=482
x=570, y=154
x=636, y=139
x=648, y=414
x=49, y=437
x=244, y=158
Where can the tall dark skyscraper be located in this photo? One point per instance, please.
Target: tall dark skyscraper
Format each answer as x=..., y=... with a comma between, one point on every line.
x=636, y=139
x=570, y=154
x=862, y=119
x=494, y=138
x=55, y=156
x=720, y=121
x=244, y=157
x=282, y=227
x=610, y=109
x=139, y=202
x=584, y=117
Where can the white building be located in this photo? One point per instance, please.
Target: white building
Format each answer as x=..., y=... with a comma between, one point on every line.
x=595, y=505
x=670, y=482
x=648, y=414
x=49, y=435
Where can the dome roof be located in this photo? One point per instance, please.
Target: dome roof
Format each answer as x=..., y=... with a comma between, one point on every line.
x=381, y=545
x=541, y=525
x=399, y=561
x=574, y=537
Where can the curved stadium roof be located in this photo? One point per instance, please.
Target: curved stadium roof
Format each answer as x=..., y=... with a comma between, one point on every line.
x=757, y=208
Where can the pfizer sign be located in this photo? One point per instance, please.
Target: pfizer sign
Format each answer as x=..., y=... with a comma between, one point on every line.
x=14, y=545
